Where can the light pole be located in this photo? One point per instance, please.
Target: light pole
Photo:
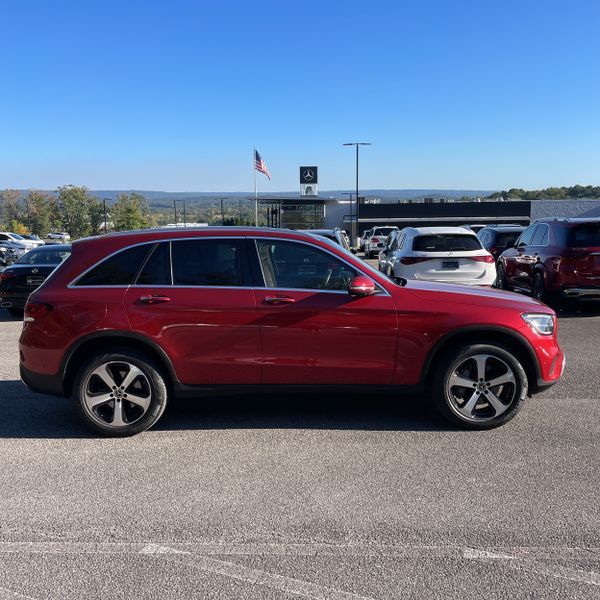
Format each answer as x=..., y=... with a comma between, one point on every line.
x=353, y=231
x=351, y=216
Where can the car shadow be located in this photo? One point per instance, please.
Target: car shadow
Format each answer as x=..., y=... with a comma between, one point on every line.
x=6, y=317
x=579, y=309
x=30, y=415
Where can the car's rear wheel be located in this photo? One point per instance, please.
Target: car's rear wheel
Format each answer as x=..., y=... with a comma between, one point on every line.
x=120, y=393
x=539, y=288
x=480, y=386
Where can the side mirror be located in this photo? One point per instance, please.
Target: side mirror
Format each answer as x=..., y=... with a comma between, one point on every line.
x=361, y=286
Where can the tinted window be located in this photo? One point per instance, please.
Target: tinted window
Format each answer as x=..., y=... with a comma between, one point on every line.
x=383, y=230
x=527, y=236
x=484, y=237
x=446, y=243
x=300, y=266
x=43, y=257
x=157, y=270
x=541, y=236
x=586, y=235
x=119, y=269
x=507, y=240
x=206, y=262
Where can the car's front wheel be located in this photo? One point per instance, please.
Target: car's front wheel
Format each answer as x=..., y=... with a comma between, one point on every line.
x=479, y=386
x=120, y=393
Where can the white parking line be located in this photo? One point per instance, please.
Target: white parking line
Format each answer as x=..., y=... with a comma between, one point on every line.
x=306, y=589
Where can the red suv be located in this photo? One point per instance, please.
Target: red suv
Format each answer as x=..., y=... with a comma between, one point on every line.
x=554, y=259
x=131, y=320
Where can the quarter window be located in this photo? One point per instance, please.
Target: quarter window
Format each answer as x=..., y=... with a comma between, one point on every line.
x=210, y=262
x=300, y=266
x=119, y=269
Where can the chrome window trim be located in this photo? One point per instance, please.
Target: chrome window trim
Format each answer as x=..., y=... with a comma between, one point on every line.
x=73, y=283
x=255, y=238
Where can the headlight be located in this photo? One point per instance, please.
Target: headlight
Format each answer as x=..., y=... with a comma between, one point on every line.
x=540, y=323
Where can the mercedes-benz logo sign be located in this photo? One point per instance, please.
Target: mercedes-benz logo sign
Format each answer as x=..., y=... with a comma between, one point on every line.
x=34, y=270
x=308, y=175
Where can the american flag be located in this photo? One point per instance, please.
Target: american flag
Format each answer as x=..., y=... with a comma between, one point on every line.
x=260, y=165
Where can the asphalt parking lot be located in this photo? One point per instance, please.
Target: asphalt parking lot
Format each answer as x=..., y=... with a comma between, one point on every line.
x=292, y=497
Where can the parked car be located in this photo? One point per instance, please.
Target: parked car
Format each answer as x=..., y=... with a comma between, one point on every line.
x=554, y=259
x=16, y=239
x=29, y=272
x=132, y=320
x=363, y=239
x=497, y=239
x=446, y=254
x=15, y=249
x=337, y=235
x=388, y=247
x=57, y=237
x=7, y=255
x=33, y=239
x=376, y=240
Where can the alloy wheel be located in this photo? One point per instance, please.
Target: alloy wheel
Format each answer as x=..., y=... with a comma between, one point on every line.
x=481, y=387
x=116, y=394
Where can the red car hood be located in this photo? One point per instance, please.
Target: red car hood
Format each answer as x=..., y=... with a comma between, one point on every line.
x=464, y=294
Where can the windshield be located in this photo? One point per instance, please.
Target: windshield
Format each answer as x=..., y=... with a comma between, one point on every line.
x=383, y=230
x=506, y=240
x=446, y=242
x=43, y=257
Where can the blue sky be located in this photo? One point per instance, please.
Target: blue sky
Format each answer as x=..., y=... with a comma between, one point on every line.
x=173, y=95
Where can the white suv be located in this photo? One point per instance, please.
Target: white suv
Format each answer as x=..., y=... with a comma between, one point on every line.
x=446, y=254
x=58, y=237
x=376, y=240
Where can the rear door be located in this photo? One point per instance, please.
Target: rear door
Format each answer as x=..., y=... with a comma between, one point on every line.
x=194, y=297
x=313, y=331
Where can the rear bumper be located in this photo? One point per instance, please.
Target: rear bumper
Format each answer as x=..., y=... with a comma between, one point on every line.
x=41, y=383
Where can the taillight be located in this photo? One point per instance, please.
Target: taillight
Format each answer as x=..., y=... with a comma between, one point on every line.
x=7, y=275
x=411, y=260
x=488, y=258
x=36, y=310
x=374, y=240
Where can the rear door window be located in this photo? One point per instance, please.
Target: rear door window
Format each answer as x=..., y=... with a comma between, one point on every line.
x=119, y=269
x=208, y=262
x=157, y=270
x=541, y=236
x=446, y=243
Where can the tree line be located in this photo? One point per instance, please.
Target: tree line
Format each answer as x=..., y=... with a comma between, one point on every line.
x=71, y=209
x=551, y=193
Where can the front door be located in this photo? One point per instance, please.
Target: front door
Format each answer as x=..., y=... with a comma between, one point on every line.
x=313, y=331
x=194, y=297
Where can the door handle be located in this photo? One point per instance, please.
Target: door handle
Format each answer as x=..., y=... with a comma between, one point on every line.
x=279, y=300
x=154, y=299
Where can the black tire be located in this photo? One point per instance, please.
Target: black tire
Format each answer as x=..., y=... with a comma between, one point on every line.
x=15, y=312
x=151, y=382
x=501, y=283
x=538, y=288
x=450, y=401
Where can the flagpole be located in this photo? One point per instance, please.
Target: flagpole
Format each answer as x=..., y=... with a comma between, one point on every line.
x=255, y=189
